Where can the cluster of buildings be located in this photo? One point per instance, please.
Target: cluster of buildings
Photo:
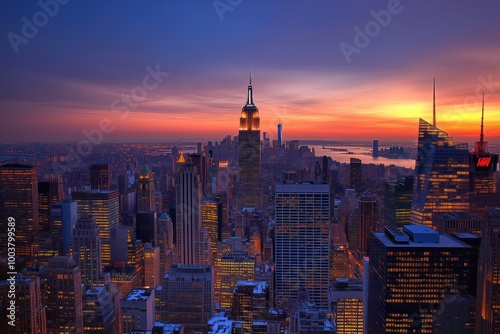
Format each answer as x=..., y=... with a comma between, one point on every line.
x=249, y=237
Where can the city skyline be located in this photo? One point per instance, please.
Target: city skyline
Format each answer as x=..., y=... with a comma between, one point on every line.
x=312, y=71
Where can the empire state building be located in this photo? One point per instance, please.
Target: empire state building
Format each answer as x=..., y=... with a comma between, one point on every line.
x=249, y=189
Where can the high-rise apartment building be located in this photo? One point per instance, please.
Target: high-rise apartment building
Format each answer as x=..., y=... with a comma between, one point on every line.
x=103, y=206
x=441, y=175
x=19, y=200
x=302, y=247
x=249, y=155
x=412, y=274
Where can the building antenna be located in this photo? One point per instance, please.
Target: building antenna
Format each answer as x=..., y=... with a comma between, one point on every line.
x=481, y=136
x=434, y=104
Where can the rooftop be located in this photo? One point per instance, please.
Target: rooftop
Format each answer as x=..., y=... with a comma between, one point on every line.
x=426, y=238
x=138, y=294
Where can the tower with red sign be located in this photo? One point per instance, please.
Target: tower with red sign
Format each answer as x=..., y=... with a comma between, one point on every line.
x=482, y=168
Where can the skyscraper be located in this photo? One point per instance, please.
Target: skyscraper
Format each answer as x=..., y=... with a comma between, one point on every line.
x=249, y=158
x=146, y=190
x=49, y=192
x=356, y=175
x=64, y=301
x=19, y=199
x=368, y=220
x=302, y=246
x=412, y=274
x=147, y=227
x=280, y=135
x=103, y=205
x=63, y=218
x=151, y=266
x=87, y=251
x=375, y=149
x=482, y=168
x=30, y=312
x=398, y=198
x=488, y=285
x=190, y=236
x=100, y=177
x=190, y=296
x=211, y=221
x=482, y=165
x=441, y=175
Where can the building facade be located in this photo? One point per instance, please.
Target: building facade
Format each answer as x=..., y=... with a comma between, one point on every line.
x=302, y=248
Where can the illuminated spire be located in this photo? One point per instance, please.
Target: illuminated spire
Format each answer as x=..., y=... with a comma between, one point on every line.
x=250, y=96
x=434, y=103
x=181, y=159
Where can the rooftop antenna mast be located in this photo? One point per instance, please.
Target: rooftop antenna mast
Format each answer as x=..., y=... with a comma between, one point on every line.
x=434, y=103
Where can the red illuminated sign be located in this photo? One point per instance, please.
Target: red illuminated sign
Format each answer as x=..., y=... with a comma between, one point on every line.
x=483, y=162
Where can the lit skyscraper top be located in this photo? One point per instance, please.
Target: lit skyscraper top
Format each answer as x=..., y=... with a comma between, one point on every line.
x=249, y=119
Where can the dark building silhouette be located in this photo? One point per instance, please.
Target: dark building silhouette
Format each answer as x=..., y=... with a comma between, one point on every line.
x=100, y=177
x=375, y=149
x=147, y=227
x=398, y=198
x=356, y=175
x=49, y=192
x=488, y=285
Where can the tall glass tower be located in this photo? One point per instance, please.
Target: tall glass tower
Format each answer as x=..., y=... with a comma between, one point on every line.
x=249, y=189
x=441, y=175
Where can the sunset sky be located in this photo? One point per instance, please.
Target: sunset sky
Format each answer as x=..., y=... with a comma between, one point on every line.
x=63, y=79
